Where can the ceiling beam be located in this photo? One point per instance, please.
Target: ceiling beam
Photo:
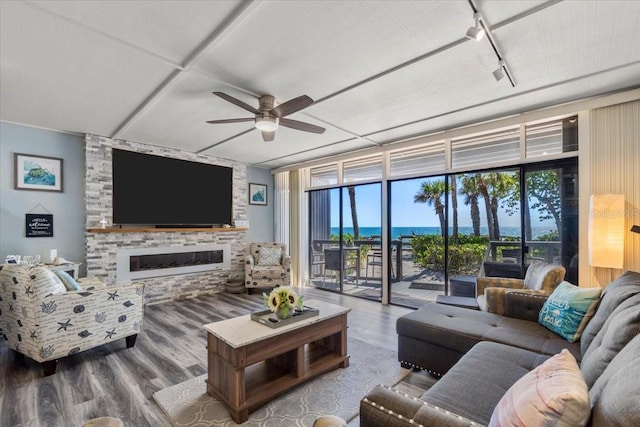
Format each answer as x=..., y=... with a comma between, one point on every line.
x=111, y=37
x=233, y=20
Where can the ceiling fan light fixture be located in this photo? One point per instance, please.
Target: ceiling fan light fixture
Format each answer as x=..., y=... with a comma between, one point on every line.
x=476, y=32
x=267, y=123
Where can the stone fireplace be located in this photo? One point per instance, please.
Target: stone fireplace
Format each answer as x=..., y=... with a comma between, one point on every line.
x=166, y=283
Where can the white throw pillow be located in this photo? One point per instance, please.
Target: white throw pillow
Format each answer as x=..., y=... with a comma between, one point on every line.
x=269, y=256
x=553, y=394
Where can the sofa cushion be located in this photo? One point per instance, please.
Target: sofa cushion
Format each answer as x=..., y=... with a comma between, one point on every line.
x=614, y=396
x=459, y=329
x=480, y=379
x=568, y=310
x=269, y=256
x=542, y=276
x=620, y=328
x=553, y=394
x=267, y=272
x=45, y=282
x=33, y=281
x=625, y=286
x=68, y=281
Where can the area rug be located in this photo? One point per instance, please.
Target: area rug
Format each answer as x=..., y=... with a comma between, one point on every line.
x=335, y=393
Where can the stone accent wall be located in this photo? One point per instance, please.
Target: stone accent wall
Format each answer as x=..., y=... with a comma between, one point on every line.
x=102, y=247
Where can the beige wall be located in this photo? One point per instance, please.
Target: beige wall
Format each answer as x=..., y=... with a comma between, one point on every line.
x=614, y=167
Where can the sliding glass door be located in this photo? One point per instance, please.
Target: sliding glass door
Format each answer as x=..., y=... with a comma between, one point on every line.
x=450, y=229
x=551, y=215
x=417, y=247
x=445, y=230
x=345, y=240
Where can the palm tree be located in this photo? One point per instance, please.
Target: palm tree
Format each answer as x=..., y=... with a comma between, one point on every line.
x=470, y=192
x=354, y=212
x=431, y=192
x=495, y=187
x=482, y=181
x=454, y=208
x=503, y=185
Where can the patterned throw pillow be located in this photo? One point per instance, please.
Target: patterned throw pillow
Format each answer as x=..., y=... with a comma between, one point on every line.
x=69, y=282
x=553, y=394
x=45, y=282
x=269, y=256
x=568, y=310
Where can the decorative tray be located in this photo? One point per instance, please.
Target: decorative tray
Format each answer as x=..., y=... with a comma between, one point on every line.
x=268, y=318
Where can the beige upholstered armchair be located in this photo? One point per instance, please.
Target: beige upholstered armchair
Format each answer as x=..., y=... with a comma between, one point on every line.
x=267, y=265
x=541, y=278
x=43, y=320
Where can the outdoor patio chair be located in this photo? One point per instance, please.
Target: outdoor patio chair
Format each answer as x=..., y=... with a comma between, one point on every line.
x=332, y=262
x=317, y=257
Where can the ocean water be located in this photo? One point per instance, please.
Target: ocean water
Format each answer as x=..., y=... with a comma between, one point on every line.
x=396, y=232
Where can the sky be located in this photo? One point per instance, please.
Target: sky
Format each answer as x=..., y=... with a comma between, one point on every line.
x=405, y=212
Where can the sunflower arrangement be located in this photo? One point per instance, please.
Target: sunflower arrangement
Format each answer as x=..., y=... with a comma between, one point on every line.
x=282, y=301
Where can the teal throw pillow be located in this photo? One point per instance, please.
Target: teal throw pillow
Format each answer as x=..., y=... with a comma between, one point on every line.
x=69, y=282
x=568, y=310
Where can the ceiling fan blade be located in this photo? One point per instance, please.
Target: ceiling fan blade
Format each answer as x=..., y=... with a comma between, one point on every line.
x=268, y=136
x=291, y=106
x=237, y=102
x=307, y=127
x=213, y=122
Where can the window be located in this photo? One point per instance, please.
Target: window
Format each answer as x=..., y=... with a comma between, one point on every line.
x=365, y=169
x=324, y=175
x=554, y=137
x=486, y=149
x=418, y=161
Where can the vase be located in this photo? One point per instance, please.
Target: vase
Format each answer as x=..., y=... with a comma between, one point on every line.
x=280, y=314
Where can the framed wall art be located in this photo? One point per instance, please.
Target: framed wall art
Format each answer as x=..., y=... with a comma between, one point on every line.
x=37, y=172
x=257, y=194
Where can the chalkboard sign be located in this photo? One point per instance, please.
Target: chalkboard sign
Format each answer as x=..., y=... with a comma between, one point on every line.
x=39, y=225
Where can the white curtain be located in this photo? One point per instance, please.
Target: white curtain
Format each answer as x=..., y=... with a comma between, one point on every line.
x=614, y=156
x=281, y=210
x=298, y=228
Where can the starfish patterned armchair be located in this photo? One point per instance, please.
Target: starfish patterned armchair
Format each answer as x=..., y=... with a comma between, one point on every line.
x=267, y=265
x=47, y=315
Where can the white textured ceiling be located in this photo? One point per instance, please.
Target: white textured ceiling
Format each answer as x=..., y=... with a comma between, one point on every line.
x=379, y=71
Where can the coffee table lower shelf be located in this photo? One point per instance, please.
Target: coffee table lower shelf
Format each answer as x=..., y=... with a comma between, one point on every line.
x=247, y=377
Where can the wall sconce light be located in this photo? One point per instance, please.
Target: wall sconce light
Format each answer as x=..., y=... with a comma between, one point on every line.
x=606, y=230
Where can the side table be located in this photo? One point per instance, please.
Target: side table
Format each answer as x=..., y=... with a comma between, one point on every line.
x=462, y=286
x=69, y=268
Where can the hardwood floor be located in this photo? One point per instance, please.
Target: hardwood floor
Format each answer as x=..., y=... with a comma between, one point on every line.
x=115, y=381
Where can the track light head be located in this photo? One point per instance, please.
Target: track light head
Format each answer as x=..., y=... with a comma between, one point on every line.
x=498, y=73
x=476, y=32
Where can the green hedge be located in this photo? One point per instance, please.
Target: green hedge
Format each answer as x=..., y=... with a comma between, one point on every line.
x=464, y=257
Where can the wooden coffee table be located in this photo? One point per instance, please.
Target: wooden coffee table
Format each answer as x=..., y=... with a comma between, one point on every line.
x=249, y=364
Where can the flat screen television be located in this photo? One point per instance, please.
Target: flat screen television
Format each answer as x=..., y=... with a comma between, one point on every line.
x=161, y=191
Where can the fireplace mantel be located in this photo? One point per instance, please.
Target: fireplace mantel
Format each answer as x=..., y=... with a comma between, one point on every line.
x=163, y=230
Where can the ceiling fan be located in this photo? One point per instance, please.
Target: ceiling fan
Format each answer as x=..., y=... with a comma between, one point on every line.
x=268, y=117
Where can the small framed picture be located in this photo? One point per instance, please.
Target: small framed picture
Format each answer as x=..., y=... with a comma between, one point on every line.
x=257, y=194
x=37, y=172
